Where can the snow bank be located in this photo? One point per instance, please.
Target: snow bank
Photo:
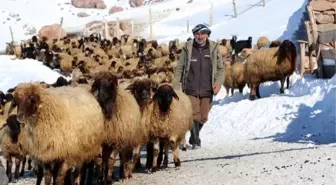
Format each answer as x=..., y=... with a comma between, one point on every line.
x=304, y=113
x=13, y=72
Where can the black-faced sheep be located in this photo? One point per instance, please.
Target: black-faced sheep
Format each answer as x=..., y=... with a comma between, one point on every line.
x=71, y=115
x=124, y=130
x=270, y=64
x=11, y=148
x=162, y=114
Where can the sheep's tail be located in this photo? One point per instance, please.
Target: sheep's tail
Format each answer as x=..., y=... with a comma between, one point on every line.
x=287, y=50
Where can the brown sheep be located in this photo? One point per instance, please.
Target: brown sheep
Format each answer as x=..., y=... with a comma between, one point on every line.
x=228, y=78
x=72, y=115
x=270, y=64
x=10, y=146
x=162, y=114
x=262, y=42
x=237, y=75
x=275, y=43
x=128, y=132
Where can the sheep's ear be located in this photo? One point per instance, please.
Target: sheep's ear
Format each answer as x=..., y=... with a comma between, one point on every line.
x=175, y=95
x=12, y=107
x=9, y=97
x=130, y=87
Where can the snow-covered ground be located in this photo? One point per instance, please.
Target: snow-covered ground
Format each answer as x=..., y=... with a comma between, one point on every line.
x=279, y=139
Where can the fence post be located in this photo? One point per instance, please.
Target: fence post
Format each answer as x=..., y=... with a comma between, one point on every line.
x=234, y=8
x=132, y=27
x=12, y=44
x=150, y=25
x=211, y=13
x=264, y=3
x=187, y=26
x=60, y=29
x=118, y=27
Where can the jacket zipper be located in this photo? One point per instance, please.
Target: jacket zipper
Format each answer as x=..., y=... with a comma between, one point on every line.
x=200, y=75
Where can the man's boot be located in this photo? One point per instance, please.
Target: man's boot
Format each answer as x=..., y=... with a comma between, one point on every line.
x=193, y=140
x=200, y=126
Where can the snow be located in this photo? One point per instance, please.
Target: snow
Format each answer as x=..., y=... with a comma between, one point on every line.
x=285, y=138
x=13, y=72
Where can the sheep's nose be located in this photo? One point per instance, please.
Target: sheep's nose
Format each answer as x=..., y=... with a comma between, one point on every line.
x=144, y=95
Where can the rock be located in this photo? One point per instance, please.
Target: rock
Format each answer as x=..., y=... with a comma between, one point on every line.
x=30, y=30
x=115, y=9
x=99, y=4
x=82, y=14
x=136, y=3
x=325, y=19
x=51, y=31
x=99, y=28
x=3, y=176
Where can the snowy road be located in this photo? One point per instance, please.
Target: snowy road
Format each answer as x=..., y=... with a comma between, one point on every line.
x=248, y=162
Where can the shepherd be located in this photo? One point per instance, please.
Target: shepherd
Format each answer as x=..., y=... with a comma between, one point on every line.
x=200, y=74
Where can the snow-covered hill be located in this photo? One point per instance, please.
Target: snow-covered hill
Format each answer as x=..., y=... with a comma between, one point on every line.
x=279, y=139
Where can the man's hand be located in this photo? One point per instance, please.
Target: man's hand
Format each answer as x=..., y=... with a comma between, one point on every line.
x=216, y=88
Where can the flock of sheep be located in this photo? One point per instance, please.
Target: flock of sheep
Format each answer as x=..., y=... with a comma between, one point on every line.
x=119, y=99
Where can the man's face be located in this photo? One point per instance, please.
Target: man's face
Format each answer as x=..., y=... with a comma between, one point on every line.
x=201, y=37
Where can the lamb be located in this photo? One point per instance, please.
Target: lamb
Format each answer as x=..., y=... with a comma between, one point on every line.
x=162, y=114
x=10, y=146
x=270, y=64
x=122, y=118
x=72, y=115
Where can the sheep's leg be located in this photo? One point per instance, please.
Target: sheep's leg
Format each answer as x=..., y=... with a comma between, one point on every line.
x=288, y=82
x=48, y=174
x=160, y=157
x=184, y=148
x=149, y=156
x=39, y=174
x=156, y=148
x=257, y=91
x=30, y=163
x=166, y=153
x=17, y=168
x=282, y=82
x=253, y=92
x=128, y=164
x=110, y=165
x=136, y=157
x=227, y=91
x=9, y=168
x=106, y=153
x=174, y=147
x=24, y=160
x=63, y=168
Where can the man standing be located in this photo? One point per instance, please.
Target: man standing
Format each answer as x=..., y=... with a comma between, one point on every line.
x=201, y=72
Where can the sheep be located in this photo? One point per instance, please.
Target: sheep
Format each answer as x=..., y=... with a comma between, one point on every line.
x=228, y=78
x=161, y=111
x=270, y=64
x=237, y=75
x=262, y=42
x=238, y=46
x=10, y=146
x=275, y=43
x=122, y=118
x=72, y=115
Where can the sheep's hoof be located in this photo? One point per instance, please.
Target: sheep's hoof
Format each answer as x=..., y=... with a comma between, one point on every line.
x=282, y=91
x=253, y=97
x=154, y=169
x=177, y=162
